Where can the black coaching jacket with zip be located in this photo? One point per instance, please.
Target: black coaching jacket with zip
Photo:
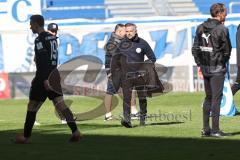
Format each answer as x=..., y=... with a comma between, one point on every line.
x=212, y=59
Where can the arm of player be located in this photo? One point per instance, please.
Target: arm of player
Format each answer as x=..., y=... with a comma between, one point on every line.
x=149, y=52
x=47, y=85
x=43, y=64
x=196, y=48
x=41, y=59
x=227, y=47
x=44, y=67
x=109, y=48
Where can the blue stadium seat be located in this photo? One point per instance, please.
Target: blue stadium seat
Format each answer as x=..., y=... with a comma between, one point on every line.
x=204, y=5
x=96, y=10
x=85, y=13
x=67, y=3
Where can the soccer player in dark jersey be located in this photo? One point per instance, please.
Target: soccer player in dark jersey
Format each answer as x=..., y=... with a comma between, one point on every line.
x=46, y=58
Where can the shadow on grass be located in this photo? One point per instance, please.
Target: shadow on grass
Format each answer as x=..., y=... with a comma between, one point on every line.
x=234, y=133
x=54, y=145
x=164, y=123
x=85, y=126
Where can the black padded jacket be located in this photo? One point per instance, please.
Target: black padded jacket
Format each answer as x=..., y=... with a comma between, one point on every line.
x=212, y=47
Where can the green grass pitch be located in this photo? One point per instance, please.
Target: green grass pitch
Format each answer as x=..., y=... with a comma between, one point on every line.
x=164, y=138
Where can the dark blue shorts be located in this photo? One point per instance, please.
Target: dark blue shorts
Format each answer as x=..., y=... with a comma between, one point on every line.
x=110, y=88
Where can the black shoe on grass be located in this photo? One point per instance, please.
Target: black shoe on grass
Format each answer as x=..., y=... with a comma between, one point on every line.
x=126, y=124
x=205, y=133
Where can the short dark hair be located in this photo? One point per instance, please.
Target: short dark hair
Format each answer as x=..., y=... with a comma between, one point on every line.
x=119, y=25
x=130, y=24
x=216, y=9
x=37, y=19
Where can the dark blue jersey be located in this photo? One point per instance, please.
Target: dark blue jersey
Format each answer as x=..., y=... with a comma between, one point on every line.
x=46, y=55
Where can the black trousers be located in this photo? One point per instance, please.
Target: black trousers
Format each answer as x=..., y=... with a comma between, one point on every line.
x=214, y=91
x=127, y=87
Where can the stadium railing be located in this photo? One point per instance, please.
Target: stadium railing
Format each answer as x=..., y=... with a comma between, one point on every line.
x=163, y=9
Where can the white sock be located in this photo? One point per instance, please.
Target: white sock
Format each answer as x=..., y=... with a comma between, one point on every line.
x=134, y=110
x=109, y=114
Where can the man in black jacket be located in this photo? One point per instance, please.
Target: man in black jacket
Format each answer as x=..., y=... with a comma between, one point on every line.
x=236, y=85
x=112, y=48
x=211, y=51
x=132, y=51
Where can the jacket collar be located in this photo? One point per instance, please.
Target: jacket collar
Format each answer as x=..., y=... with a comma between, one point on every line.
x=135, y=38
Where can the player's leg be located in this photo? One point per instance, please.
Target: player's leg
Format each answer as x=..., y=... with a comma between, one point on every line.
x=67, y=113
x=56, y=96
x=108, y=106
x=60, y=115
x=134, y=111
x=37, y=96
x=33, y=107
x=217, y=83
x=108, y=100
x=207, y=107
x=127, y=93
x=143, y=105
